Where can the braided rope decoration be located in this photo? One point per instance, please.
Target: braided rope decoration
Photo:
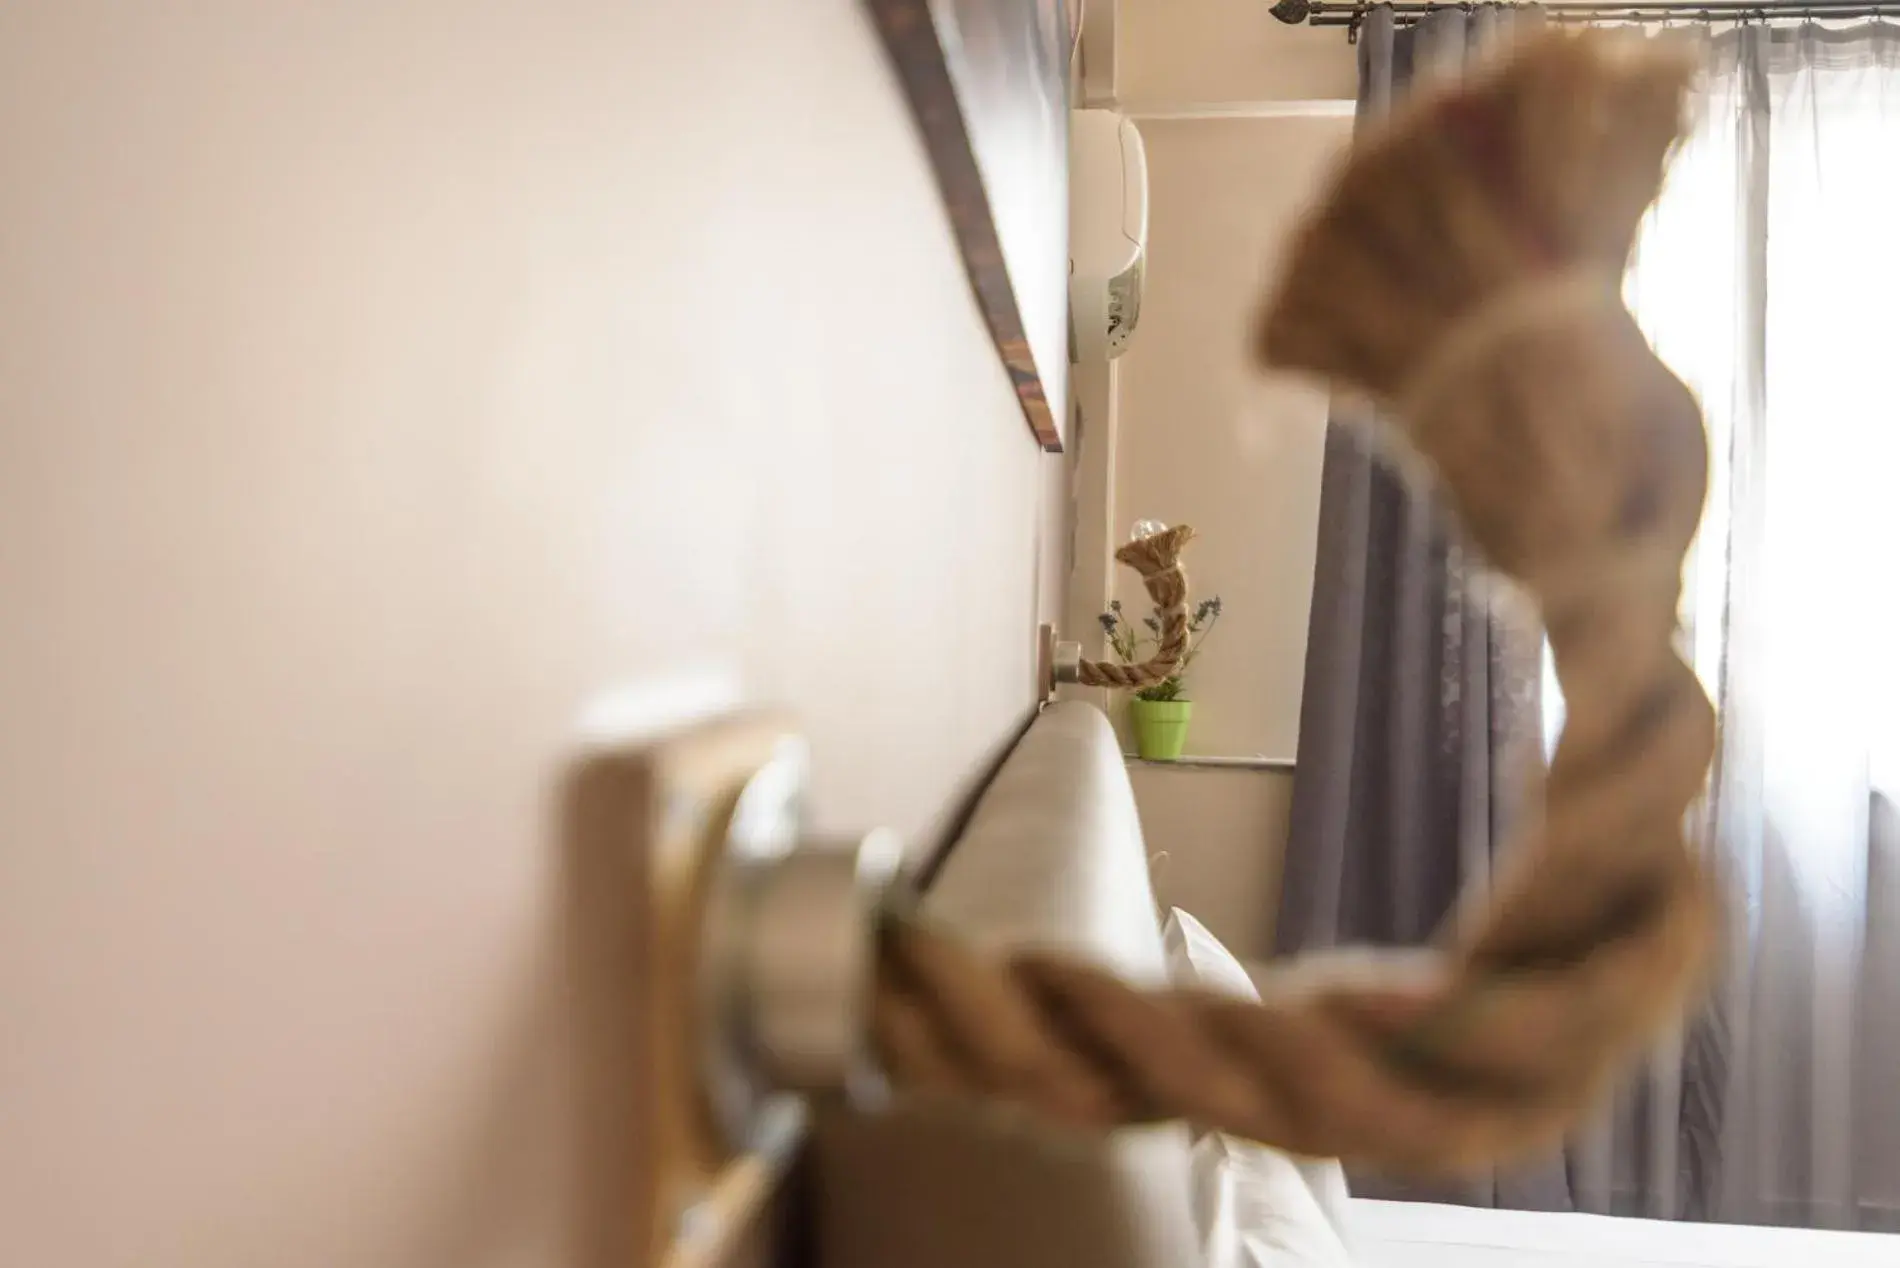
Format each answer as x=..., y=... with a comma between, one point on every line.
x=1463, y=273
x=1157, y=559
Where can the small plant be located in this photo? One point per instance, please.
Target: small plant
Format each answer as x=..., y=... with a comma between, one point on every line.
x=1129, y=644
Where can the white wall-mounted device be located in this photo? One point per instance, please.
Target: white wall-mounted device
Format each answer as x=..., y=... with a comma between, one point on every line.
x=1108, y=232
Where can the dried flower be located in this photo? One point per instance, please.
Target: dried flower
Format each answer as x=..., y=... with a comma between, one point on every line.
x=1131, y=648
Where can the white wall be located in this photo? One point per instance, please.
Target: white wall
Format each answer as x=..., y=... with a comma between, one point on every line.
x=1214, y=839
x=1175, y=53
x=1242, y=117
x=384, y=389
x=1203, y=436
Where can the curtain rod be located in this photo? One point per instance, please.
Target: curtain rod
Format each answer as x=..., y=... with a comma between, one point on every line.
x=1351, y=14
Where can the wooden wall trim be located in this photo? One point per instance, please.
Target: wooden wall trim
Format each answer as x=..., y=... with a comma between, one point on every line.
x=910, y=39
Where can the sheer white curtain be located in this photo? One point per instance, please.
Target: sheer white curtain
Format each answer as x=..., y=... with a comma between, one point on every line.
x=1769, y=278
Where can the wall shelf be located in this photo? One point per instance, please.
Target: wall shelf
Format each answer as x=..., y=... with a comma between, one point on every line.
x=1283, y=765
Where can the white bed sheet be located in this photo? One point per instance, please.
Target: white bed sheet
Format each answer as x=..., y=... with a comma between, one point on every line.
x=1419, y=1235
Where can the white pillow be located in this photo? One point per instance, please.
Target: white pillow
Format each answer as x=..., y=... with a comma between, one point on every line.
x=1255, y=1206
x=1253, y=1209
x=1196, y=958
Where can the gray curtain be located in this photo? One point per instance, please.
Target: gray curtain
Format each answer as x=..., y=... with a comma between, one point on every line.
x=1421, y=701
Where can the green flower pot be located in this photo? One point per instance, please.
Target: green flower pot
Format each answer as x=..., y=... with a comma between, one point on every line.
x=1161, y=727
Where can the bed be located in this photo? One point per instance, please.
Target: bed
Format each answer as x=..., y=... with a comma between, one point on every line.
x=1419, y=1235
x=1052, y=855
